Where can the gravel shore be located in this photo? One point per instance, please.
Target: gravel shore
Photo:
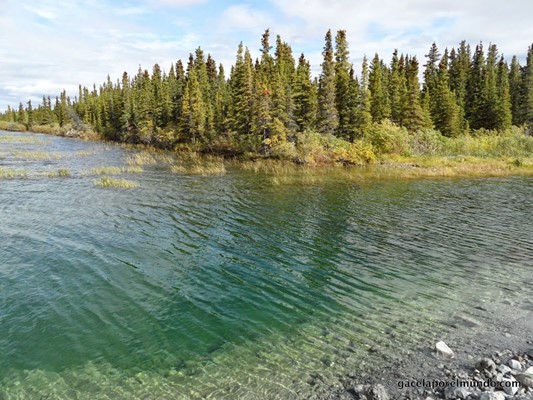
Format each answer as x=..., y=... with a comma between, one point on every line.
x=492, y=360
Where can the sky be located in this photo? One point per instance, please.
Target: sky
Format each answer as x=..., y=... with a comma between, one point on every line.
x=50, y=45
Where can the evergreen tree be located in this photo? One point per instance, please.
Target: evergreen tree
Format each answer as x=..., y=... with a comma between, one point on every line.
x=527, y=90
x=459, y=71
x=344, y=93
x=379, y=102
x=327, y=117
x=305, y=96
x=431, y=72
x=29, y=115
x=490, y=91
x=415, y=117
x=503, y=105
x=363, y=116
x=446, y=113
x=193, y=110
x=240, y=109
x=475, y=96
x=21, y=115
x=397, y=89
x=515, y=88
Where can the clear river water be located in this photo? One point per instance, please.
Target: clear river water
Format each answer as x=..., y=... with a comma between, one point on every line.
x=231, y=286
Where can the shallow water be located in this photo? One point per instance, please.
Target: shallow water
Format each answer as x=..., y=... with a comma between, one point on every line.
x=230, y=286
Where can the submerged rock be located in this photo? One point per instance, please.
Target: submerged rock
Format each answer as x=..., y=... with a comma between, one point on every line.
x=443, y=350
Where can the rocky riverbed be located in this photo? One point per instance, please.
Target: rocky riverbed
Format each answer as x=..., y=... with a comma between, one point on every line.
x=492, y=360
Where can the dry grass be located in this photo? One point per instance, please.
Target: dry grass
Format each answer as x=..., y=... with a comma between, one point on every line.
x=22, y=140
x=114, y=170
x=397, y=167
x=457, y=166
x=36, y=155
x=200, y=165
x=61, y=173
x=6, y=173
x=83, y=153
x=115, y=183
x=141, y=159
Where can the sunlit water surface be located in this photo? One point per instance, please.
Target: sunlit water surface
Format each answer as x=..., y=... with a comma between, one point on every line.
x=231, y=286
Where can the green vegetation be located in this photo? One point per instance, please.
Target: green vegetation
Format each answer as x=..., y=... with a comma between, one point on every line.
x=115, y=183
x=470, y=103
x=12, y=126
x=21, y=139
x=113, y=170
x=6, y=173
x=35, y=155
x=62, y=173
x=196, y=165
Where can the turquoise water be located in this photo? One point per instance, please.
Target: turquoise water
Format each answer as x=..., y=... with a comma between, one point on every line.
x=231, y=286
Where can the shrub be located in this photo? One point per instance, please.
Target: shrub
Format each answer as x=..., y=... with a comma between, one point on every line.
x=12, y=126
x=388, y=138
x=426, y=142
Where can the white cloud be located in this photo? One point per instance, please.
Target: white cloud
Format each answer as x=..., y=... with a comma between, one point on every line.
x=177, y=3
x=48, y=45
x=412, y=25
x=244, y=18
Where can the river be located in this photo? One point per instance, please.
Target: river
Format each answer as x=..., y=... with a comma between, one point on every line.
x=231, y=286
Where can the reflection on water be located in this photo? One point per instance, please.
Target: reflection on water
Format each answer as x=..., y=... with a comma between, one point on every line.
x=230, y=287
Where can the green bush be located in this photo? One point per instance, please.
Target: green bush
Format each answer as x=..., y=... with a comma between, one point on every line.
x=510, y=143
x=12, y=126
x=388, y=138
x=426, y=142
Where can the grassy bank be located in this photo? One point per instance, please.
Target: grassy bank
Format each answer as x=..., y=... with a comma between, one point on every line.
x=82, y=131
x=386, y=151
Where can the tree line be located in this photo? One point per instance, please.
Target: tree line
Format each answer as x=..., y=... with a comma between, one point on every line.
x=274, y=98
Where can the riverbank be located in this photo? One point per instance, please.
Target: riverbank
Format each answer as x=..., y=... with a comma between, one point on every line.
x=390, y=152
x=489, y=354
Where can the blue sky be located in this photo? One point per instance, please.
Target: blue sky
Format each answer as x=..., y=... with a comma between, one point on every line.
x=50, y=45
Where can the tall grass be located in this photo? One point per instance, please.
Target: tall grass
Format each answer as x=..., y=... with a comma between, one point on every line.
x=12, y=126
x=62, y=173
x=6, y=173
x=36, y=155
x=22, y=139
x=204, y=166
x=115, y=170
x=140, y=159
x=115, y=183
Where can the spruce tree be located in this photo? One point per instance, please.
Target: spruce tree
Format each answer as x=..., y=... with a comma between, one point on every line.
x=445, y=111
x=29, y=115
x=397, y=89
x=240, y=110
x=193, y=110
x=304, y=96
x=527, y=90
x=503, y=106
x=344, y=96
x=415, y=117
x=459, y=72
x=363, y=116
x=379, y=101
x=515, y=88
x=327, y=118
x=475, y=95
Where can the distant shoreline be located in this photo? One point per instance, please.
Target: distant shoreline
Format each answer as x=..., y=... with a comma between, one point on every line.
x=387, y=166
